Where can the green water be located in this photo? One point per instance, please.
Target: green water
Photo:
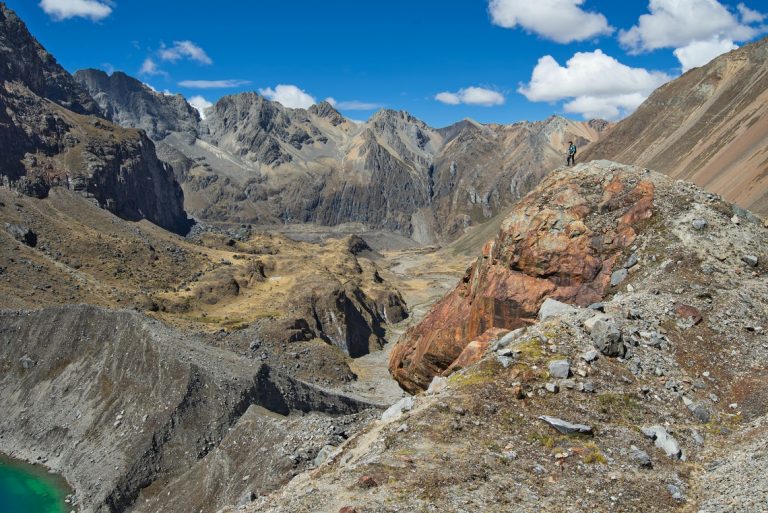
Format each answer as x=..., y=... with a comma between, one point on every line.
x=30, y=489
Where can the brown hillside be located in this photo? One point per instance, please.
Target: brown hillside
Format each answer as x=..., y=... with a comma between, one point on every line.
x=709, y=126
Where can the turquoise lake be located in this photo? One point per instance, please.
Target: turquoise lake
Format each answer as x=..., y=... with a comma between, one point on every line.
x=30, y=489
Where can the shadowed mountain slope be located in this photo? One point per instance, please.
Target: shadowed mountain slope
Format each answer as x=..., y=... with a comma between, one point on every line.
x=50, y=136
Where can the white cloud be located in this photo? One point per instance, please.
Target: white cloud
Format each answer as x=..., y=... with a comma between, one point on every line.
x=606, y=107
x=678, y=23
x=356, y=105
x=562, y=21
x=289, y=96
x=588, y=74
x=699, y=53
x=200, y=103
x=213, y=84
x=352, y=104
x=63, y=9
x=184, y=50
x=471, y=96
x=149, y=67
x=748, y=15
x=596, y=84
x=448, y=98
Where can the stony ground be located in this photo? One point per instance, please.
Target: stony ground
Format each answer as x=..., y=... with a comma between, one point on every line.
x=674, y=353
x=664, y=378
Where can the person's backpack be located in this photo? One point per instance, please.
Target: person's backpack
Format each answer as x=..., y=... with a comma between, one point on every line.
x=572, y=149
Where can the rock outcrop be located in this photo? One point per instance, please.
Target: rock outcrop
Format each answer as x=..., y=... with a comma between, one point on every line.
x=130, y=103
x=50, y=137
x=562, y=241
x=710, y=126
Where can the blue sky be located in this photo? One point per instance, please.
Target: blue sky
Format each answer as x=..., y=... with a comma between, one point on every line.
x=492, y=60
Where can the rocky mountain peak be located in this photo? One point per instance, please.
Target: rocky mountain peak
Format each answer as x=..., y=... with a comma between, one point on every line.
x=131, y=103
x=253, y=128
x=406, y=134
x=327, y=111
x=252, y=105
x=465, y=125
x=24, y=60
x=599, y=125
x=390, y=117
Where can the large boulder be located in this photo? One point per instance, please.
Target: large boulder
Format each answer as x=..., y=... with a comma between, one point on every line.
x=560, y=242
x=607, y=338
x=22, y=234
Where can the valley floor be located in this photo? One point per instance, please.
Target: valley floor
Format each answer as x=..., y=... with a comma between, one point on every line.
x=423, y=276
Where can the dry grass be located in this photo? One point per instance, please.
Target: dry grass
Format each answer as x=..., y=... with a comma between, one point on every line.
x=86, y=255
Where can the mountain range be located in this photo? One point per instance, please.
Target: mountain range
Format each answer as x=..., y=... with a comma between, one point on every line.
x=252, y=160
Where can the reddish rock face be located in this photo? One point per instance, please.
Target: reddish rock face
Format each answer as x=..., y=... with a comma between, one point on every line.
x=475, y=350
x=367, y=482
x=561, y=241
x=688, y=312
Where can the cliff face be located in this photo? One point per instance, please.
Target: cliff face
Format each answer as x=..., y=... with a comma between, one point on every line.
x=709, y=126
x=129, y=103
x=50, y=137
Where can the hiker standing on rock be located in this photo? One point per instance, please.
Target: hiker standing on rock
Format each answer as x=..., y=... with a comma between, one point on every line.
x=571, y=160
